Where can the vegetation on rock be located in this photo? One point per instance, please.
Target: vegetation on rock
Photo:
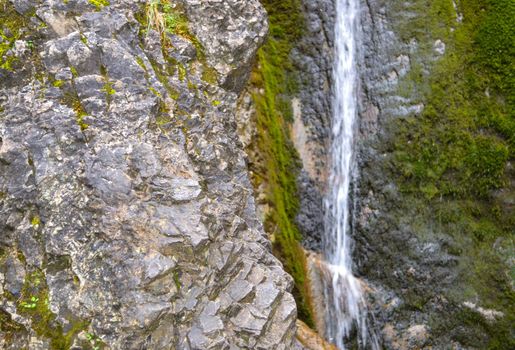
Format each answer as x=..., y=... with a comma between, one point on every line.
x=278, y=168
x=11, y=30
x=35, y=305
x=166, y=17
x=457, y=155
x=99, y=4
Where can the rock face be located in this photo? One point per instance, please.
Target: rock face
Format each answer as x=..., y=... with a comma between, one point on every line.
x=127, y=219
x=231, y=31
x=312, y=57
x=414, y=272
x=310, y=339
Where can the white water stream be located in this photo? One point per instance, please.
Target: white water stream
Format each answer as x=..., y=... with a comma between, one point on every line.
x=346, y=307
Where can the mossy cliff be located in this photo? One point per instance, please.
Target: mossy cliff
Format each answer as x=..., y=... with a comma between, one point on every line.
x=439, y=231
x=275, y=165
x=12, y=30
x=457, y=157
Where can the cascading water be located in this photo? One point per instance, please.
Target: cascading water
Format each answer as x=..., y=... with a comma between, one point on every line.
x=345, y=304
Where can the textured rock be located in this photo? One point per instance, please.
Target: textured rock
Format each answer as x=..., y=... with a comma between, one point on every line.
x=318, y=273
x=230, y=31
x=312, y=111
x=413, y=268
x=125, y=205
x=310, y=339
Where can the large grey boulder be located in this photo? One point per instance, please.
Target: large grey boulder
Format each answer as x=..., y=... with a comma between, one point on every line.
x=127, y=219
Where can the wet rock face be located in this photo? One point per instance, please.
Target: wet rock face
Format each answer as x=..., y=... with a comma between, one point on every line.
x=402, y=270
x=126, y=214
x=413, y=269
x=312, y=57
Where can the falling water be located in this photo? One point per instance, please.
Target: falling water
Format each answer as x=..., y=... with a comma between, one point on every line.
x=345, y=304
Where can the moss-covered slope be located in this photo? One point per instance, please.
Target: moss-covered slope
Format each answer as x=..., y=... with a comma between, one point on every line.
x=273, y=84
x=452, y=165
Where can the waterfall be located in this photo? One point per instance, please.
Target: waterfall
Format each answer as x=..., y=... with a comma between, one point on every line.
x=346, y=307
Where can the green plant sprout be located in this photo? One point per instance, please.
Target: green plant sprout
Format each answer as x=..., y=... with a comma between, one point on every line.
x=31, y=304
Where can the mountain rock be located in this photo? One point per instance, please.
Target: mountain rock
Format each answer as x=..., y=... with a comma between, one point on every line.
x=127, y=219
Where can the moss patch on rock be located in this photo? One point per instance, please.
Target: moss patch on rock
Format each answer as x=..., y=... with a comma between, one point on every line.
x=274, y=82
x=99, y=4
x=455, y=158
x=34, y=304
x=11, y=29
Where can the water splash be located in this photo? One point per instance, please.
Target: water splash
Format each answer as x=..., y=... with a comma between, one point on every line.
x=346, y=307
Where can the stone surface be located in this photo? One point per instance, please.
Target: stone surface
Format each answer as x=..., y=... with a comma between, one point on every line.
x=413, y=270
x=313, y=57
x=230, y=31
x=310, y=339
x=125, y=204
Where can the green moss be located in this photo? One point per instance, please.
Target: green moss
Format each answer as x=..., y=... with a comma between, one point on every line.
x=462, y=142
x=95, y=342
x=58, y=83
x=175, y=20
x=155, y=92
x=163, y=119
x=33, y=303
x=11, y=29
x=209, y=75
x=453, y=159
x=164, y=116
x=142, y=64
x=35, y=221
x=177, y=280
x=279, y=165
x=192, y=86
x=99, y=4
x=182, y=72
x=167, y=17
x=162, y=76
x=72, y=100
x=80, y=121
x=84, y=39
x=108, y=86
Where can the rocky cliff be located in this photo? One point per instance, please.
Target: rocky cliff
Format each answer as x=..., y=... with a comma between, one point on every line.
x=127, y=214
x=127, y=219
x=433, y=189
x=434, y=199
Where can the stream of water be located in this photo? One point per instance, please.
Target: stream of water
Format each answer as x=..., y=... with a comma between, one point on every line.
x=346, y=308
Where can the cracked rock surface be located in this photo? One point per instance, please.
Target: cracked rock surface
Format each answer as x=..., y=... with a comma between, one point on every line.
x=127, y=219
